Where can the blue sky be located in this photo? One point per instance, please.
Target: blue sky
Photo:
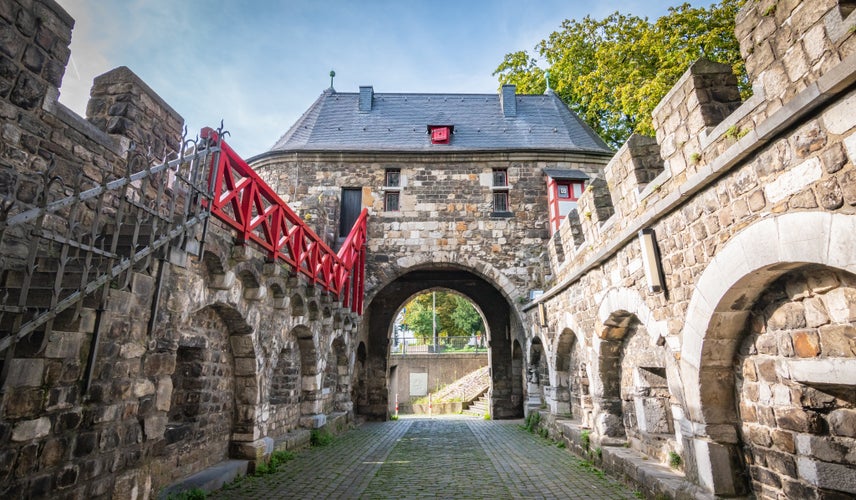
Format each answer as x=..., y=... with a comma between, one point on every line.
x=258, y=65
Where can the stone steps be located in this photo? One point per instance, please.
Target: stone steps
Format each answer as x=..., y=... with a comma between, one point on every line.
x=479, y=407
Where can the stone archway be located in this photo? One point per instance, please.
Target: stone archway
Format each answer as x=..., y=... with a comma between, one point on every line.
x=716, y=321
x=537, y=375
x=311, y=378
x=215, y=388
x=564, y=385
x=337, y=377
x=502, y=324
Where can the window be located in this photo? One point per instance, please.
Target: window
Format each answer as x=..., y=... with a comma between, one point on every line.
x=392, y=189
x=393, y=177
x=500, y=202
x=390, y=201
x=500, y=177
x=440, y=134
x=500, y=191
x=569, y=190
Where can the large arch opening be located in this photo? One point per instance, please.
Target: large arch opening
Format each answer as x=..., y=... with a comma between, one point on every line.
x=500, y=324
x=727, y=313
x=439, y=355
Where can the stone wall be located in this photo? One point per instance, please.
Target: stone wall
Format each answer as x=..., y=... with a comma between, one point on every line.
x=441, y=371
x=170, y=372
x=754, y=201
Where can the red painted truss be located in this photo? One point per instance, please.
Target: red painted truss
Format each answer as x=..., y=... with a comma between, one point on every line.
x=244, y=201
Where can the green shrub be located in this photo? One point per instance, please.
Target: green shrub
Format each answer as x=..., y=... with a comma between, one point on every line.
x=532, y=421
x=674, y=460
x=486, y=416
x=585, y=437
x=560, y=444
x=393, y=417
x=192, y=494
x=320, y=437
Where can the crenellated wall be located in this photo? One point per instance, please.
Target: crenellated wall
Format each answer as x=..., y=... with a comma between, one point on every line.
x=754, y=216
x=169, y=370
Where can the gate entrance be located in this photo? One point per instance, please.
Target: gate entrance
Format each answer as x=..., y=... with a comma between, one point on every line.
x=502, y=328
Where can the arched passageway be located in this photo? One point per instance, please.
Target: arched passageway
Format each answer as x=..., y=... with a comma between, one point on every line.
x=502, y=326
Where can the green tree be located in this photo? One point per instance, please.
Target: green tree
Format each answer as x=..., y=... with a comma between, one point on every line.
x=613, y=72
x=456, y=316
x=466, y=318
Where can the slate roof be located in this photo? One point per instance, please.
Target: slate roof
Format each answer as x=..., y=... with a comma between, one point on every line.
x=566, y=174
x=399, y=122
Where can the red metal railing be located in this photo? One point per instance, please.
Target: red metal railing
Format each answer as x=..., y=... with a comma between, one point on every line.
x=244, y=201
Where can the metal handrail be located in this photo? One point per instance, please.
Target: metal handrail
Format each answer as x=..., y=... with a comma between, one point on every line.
x=87, y=234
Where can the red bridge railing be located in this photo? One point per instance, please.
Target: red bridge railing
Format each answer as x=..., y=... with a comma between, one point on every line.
x=244, y=201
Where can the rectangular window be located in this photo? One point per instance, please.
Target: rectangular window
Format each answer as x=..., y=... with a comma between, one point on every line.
x=393, y=177
x=500, y=192
x=500, y=201
x=500, y=177
x=390, y=201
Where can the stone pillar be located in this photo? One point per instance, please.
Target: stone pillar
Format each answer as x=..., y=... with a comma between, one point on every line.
x=558, y=400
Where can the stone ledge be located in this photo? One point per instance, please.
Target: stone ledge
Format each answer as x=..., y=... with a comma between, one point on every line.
x=655, y=480
x=210, y=479
x=293, y=440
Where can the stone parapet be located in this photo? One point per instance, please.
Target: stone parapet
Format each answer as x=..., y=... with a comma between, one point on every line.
x=121, y=103
x=701, y=98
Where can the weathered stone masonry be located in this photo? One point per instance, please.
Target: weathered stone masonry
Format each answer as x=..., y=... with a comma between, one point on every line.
x=744, y=367
x=741, y=373
x=166, y=398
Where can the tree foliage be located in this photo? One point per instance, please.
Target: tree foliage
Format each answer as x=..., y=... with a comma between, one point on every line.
x=613, y=72
x=456, y=316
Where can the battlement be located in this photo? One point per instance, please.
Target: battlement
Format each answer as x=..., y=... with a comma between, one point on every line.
x=703, y=129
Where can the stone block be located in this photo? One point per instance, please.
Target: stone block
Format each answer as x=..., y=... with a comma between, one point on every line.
x=714, y=467
x=64, y=345
x=842, y=422
x=796, y=419
x=841, y=304
x=827, y=475
x=806, y=343
x=164, y=394
x=815, y=312
x=141, y=388
x=27, y=430
x=838, y=340
x=794, y=180
x=154, y=426
x=25, y=372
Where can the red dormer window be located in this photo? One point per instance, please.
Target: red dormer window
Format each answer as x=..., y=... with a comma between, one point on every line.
x=440, y=134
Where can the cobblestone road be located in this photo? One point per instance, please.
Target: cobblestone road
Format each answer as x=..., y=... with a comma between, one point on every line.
x=432, y=458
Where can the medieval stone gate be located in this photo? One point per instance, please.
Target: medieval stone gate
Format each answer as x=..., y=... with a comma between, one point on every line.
x=737, y=367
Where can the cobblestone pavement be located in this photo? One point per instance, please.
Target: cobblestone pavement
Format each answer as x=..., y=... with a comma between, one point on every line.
x=432, y=458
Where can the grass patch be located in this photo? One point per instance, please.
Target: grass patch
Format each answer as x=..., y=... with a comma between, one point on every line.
x=585, y=437
x=277, y=458
x=486, y=416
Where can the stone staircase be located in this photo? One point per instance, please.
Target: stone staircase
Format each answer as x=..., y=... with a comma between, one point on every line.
x=480, y=407
x=466, y=388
